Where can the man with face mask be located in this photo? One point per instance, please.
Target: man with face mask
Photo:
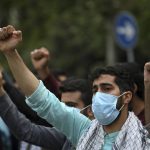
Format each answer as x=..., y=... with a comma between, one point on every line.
x=115, y=128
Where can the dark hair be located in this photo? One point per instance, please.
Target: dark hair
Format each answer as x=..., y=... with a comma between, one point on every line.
x=136, y=73
x=122, y=77
x=81, y=85
x=60, y=72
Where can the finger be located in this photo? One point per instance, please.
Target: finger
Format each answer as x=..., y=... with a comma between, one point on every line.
x=36, y=54
x=40, y=52
x=17, y=34
x=5, y=32
x=32, y=53
x=45, y=52
x=44, y=49
x=10, y=29
x=147, y=66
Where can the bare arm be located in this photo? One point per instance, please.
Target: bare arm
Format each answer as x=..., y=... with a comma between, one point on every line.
x=24, y=129
x=147, y=91
x=40, y=58
x=24, y=77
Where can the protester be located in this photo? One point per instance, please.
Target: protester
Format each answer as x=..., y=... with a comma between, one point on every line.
x=137, y=103
x=40, y=60
x=113, y=128
x=76, y=92
x=46, y=137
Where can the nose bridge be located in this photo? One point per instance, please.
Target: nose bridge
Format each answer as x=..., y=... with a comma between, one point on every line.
x=98, y=89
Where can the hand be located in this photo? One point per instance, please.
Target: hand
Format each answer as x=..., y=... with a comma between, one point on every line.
x=9, y=38
x=40, y=58
x=147, y=73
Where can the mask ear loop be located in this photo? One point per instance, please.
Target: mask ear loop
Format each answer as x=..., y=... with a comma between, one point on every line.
x=121, y=107
x=85, y=108
x=122, y=94
x=123, y=104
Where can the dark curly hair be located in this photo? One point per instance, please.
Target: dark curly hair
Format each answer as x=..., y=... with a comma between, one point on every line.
x=137, y=74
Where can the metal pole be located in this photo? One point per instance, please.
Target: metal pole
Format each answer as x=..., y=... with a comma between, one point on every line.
x=110, y=46
x=130, y=55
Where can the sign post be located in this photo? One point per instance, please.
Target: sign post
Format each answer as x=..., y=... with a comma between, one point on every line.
x=126, y=33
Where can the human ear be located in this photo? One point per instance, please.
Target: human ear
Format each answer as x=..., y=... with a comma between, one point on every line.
x=90, y=114
x=127, y=97
x=135, y=88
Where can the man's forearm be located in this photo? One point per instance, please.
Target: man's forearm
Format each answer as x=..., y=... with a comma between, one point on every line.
x=27, y=131
x=24, y=77
x=147, y=102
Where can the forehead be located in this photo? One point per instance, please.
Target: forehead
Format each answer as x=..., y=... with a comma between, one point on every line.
x=71, y=96
x=104, y=78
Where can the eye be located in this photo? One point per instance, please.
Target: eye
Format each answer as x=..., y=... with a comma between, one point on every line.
x=71, y=104
x=94, y=89
x=106, y=89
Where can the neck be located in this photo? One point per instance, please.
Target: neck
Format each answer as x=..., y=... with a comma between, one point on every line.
x=137, y=105
x=118, y=123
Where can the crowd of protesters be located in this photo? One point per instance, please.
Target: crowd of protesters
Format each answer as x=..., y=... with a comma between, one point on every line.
x=49, y=111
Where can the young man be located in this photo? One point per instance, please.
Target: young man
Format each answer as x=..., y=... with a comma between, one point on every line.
x=46, y=137
x=40, y=60
x=113, y=128
x=137, y=104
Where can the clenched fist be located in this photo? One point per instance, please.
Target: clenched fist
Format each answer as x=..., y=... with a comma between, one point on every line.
x=40, y=58
x=9, y=38
x=147, y=72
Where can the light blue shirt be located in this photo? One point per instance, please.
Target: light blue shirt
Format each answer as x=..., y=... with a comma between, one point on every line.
x=4, y=128
x=67, y=119
x=109, y=140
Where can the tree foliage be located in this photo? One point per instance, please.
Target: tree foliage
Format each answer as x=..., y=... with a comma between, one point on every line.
x=73, y=31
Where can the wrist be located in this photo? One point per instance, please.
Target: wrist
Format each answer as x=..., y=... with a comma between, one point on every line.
x=10, y=52
x=43, y=72
x=147, y=83
x=147, y=87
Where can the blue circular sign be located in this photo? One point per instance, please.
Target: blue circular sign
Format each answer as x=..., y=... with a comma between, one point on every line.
x=126, y=30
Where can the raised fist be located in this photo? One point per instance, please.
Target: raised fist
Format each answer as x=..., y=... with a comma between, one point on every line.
x=9, y=38
x=147, y=72
x=40, y=58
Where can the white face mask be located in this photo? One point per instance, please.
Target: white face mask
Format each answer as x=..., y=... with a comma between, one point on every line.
x=104, y=107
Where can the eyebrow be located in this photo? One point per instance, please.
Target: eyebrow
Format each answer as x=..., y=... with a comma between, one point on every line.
x=70, y=103
x=103, y=84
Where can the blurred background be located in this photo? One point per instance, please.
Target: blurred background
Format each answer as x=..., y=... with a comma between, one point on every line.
x=78, y=33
